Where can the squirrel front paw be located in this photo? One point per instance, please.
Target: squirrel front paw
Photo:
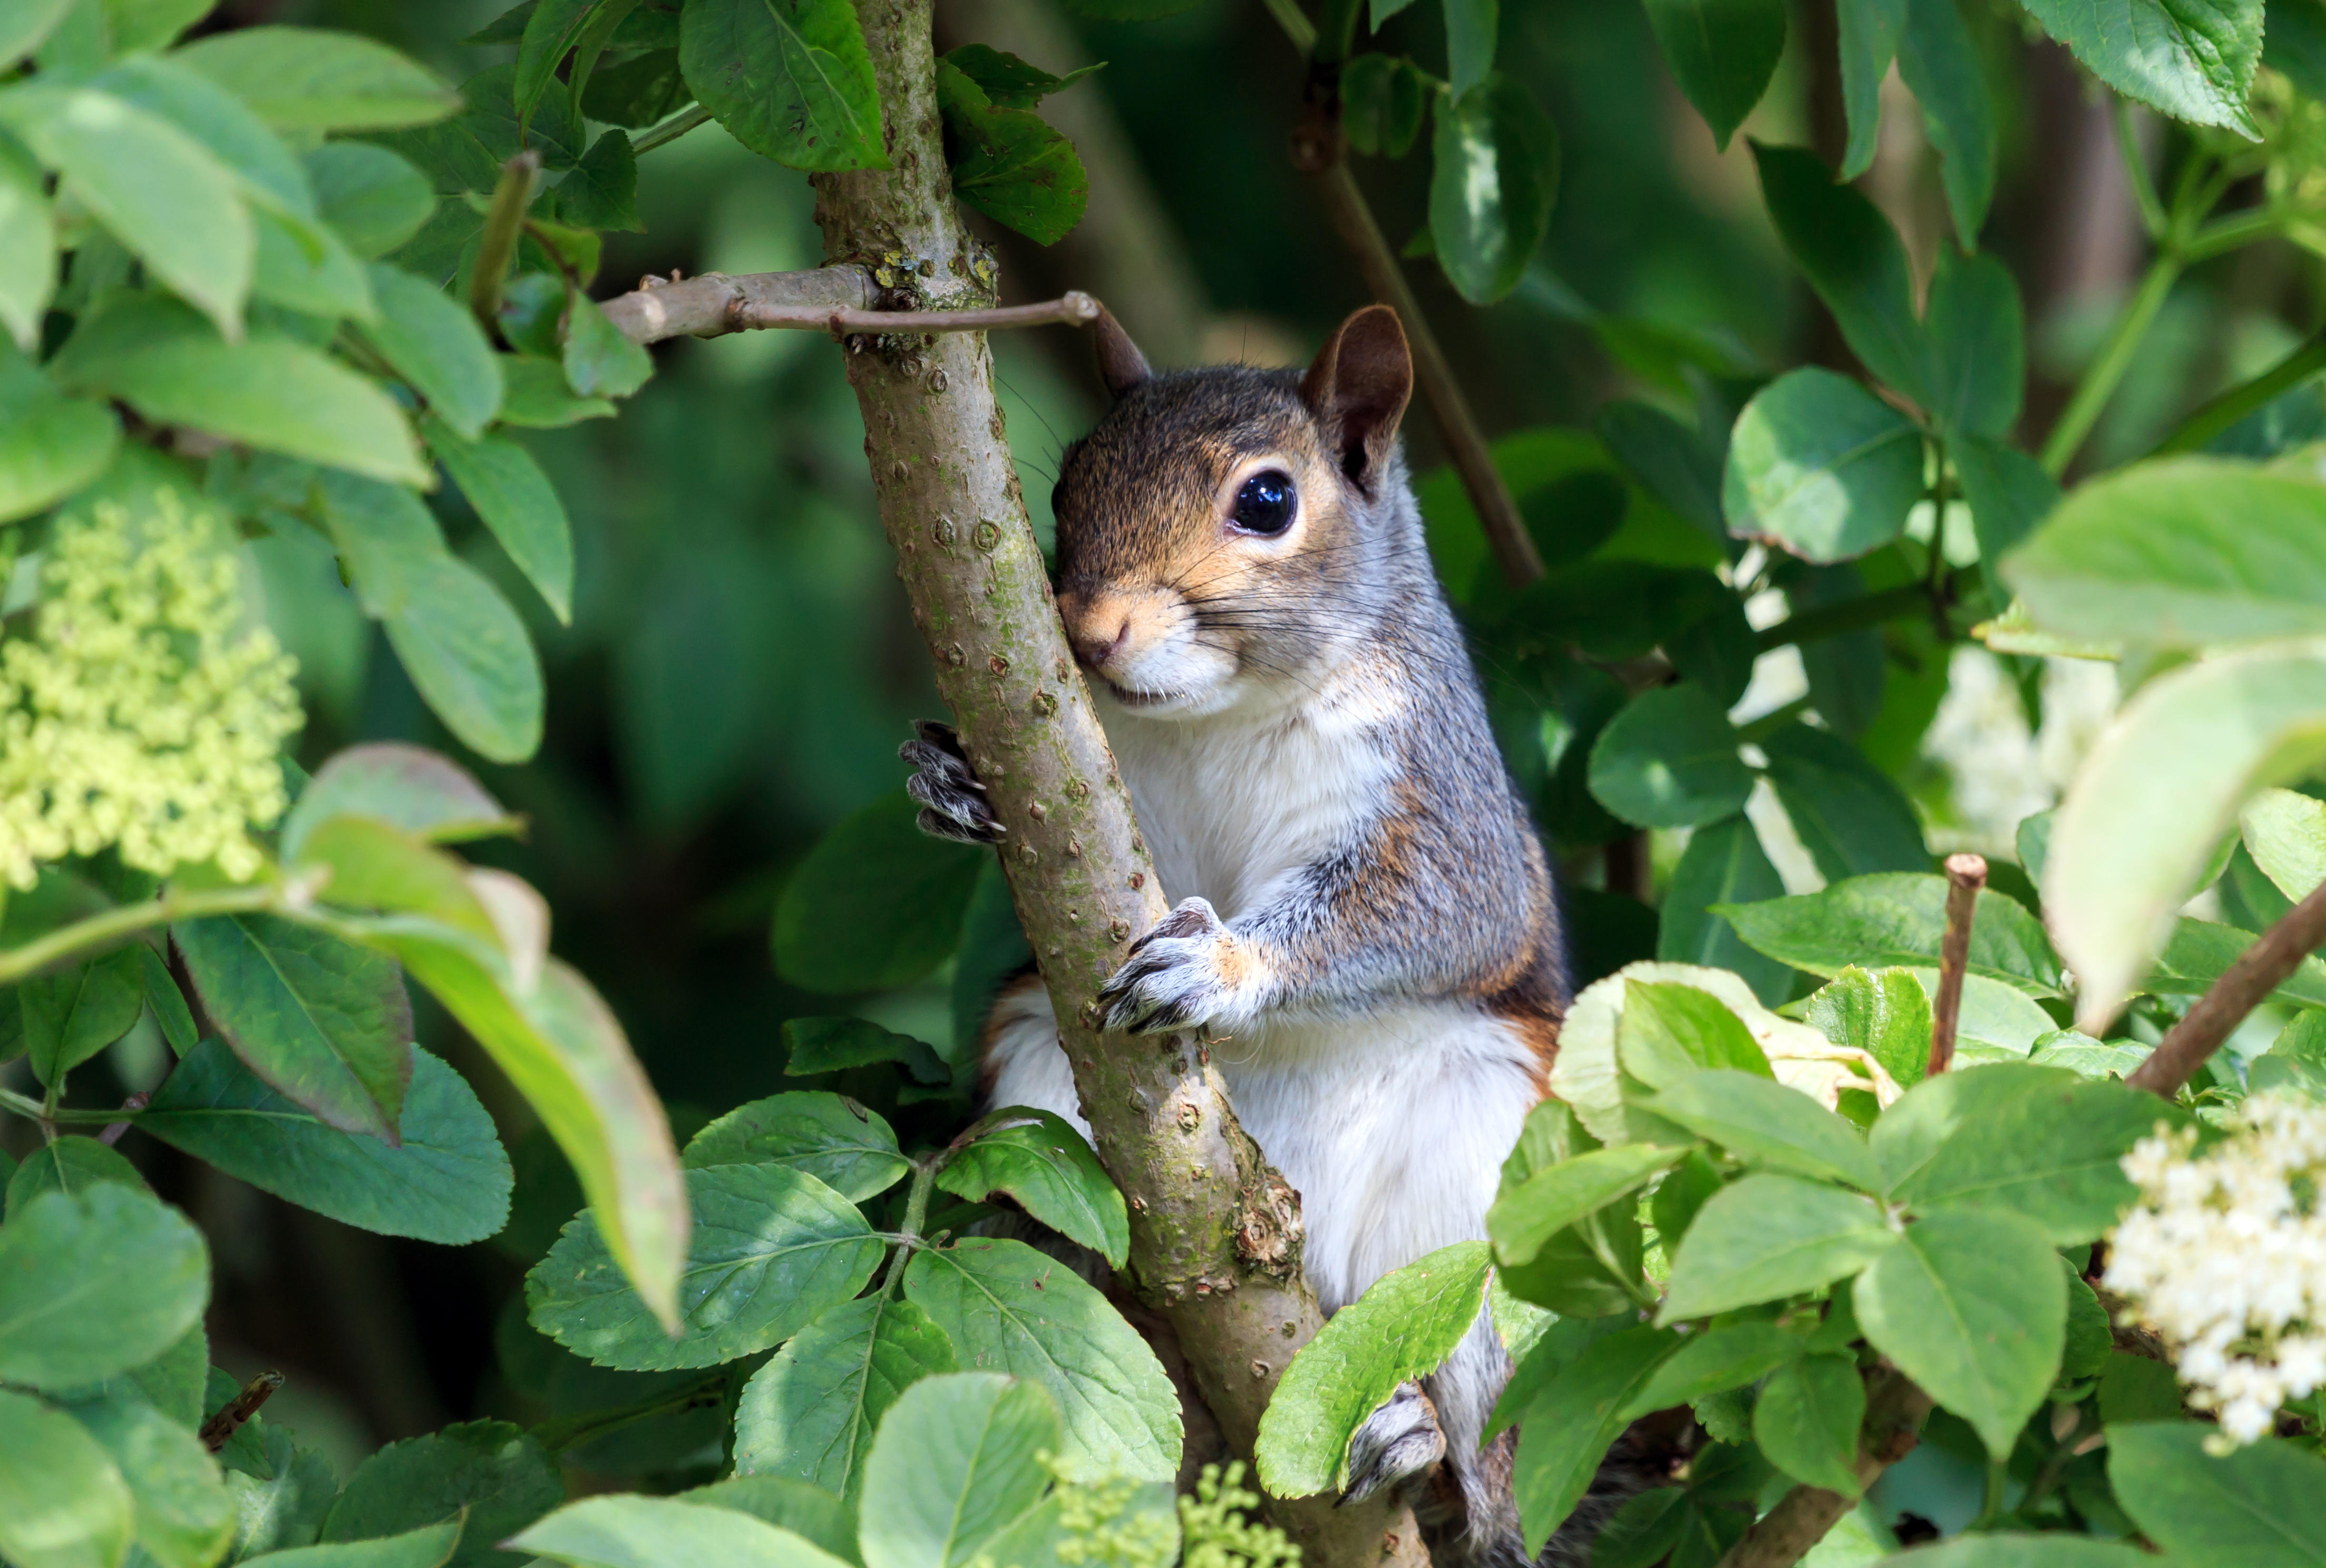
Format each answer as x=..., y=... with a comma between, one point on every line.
x=953, y=803
x=1397, y=1443
x=1189, y=969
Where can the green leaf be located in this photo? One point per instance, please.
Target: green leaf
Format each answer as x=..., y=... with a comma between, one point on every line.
x=464, y=647
x=811, y=1411
x=27, y=274
x=270, y=173
x=956, y=1464
x=1869, y=36
x=1976, y=347
x=184, y=1515
x=70, y=1164
x=1993, y=1015
x=534, y=395
x=1764, y=1123
x=1806, y=1421
x=638, y=92
x=1525, y=1217
x=771, y=1247
x=1911, y=1131
x=1821, y=467
x=2090, y=1342
x=159, y=191
x=1897, y=918
x=2052, y=1154
x=2135, y=1388
x=638, y=1532
x=1009, y=164
x=1938, y=61
x=72, y=1014
x=843, y=1143
x=447, y=1180
x=95, y=1283
x=789, y=79
x=1404, y=1326
x=2201, y=952
x=1723, y=864
x=2262, y=1506
x=1040, y=1163
x=1885, y=1012
x=603, y=192
x=1680, y=1195
x=1970, y=1306
x=62, y=1502
x=1493, y=175
x=267, y=392
x=1568, y=1426
x=516, y=501
x=1008, y=1307
x=1722, y=52
x=1723, y=1357
x=1850, y=816
x=325, y=1023
x=374, y=199
x=2169, y=772
x=877, y=903
x=437, y=347
x=1671, y=1032
x=1669, y=760
x=1854, y=261
x=303, y=266
x=814, y=1046
x=25, y=25
x=2181, y=553
x=282, y=1490
x=550, y=33
x=303, y=79
x=598, y=361
x=1643, y=1532
x=2286, y=832
x=499, y=1473
x=1768, y=1237
x=1008, y=81
x=2192, y=59
x=2008, y=494
x=426, y=794
x=1382, y=100
x=430, y=1546
x=173, y=1382
x=795, y=1506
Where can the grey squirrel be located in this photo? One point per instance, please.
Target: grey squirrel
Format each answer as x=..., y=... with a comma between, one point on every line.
x=1363, y=910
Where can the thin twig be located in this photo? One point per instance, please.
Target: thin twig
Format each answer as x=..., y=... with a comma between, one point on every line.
x=838, y=300
x=2258, y=970
x=219, y=1429
x=1966, y=875
x=504, y=223
x=1894, y=1410
x=663, y=132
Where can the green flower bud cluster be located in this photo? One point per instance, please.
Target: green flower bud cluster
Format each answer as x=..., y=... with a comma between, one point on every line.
x=140, y=711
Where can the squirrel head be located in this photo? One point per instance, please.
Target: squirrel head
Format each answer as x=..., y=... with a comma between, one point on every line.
x=1225, y=532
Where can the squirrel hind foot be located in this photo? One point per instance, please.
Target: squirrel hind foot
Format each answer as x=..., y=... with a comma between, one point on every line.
x=953, y=802
x=1397, y=1443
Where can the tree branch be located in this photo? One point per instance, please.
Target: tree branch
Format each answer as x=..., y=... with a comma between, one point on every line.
x=1215, y=1233
x=1966, y=875
x=2258, y=970
x=840, y=299
x=1893, y=1423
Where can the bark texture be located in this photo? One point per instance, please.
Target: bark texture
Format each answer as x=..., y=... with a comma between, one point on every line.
x=1215, y=1233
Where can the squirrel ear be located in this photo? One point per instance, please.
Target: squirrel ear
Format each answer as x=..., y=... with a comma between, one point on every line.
x=1120, y=364
x=1358, y=388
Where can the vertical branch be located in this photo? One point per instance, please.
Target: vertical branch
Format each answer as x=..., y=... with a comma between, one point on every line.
x=1966, y=875
x=1215, y=1232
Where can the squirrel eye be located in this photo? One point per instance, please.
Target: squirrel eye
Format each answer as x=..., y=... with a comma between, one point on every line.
x=1265, y=503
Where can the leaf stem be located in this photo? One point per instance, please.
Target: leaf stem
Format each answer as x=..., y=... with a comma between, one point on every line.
x=2135, y=166
x=571, y=1432
x=97, y=930
x=663, y=132
x=1851, y=614
x=916, y=1213
x=1966, y=875
x=2247, y=397
x=2102, y=376
x=497, y=246
x=23, y=1105
x=1295, y=23
x=2228, y=233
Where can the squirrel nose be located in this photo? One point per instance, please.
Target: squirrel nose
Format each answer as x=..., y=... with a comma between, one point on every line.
x=1095, y=649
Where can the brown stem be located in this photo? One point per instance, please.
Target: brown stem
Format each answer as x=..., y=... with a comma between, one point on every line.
x=839, y=300
x=1215, y=1233
x=1783, y=1536
x=1316, y=148
x=2260, y=970
x=219, y=1429
x=1966, y=875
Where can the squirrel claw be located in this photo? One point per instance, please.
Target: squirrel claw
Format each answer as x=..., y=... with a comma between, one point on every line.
x=1177, y=974
x=1397, y=1443
x=953, y=802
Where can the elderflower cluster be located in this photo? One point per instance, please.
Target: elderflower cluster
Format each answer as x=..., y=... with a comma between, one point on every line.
x=136, y=714
x=1099, y=1525
x=1216, y=1531
x=2225, y=1257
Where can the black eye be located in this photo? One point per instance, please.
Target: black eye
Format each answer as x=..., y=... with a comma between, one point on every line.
x=1266, y=502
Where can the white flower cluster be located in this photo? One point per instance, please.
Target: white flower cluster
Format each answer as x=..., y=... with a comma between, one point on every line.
x=2225, y=1257
x=138, y=713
